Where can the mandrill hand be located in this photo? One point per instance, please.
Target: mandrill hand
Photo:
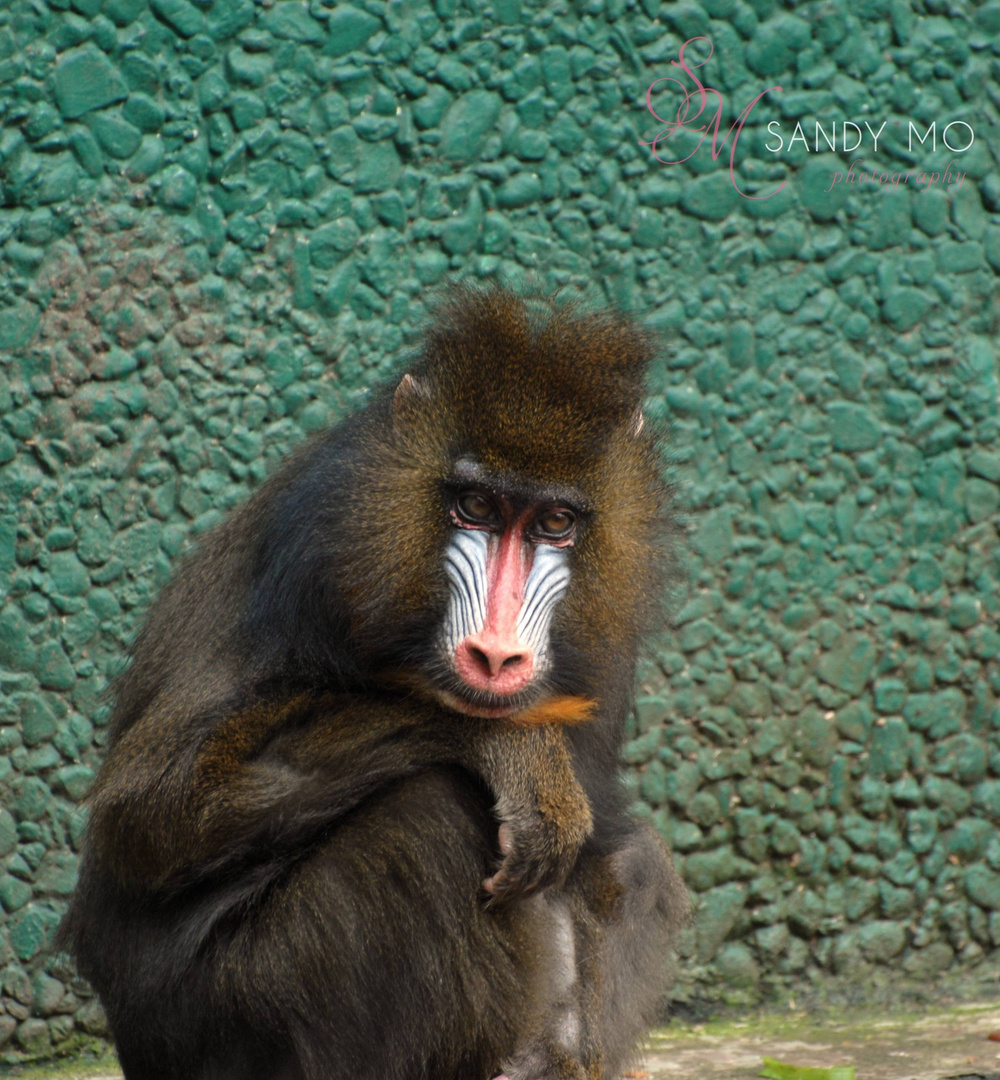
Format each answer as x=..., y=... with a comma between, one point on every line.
x=536, y=854
x=544, y=814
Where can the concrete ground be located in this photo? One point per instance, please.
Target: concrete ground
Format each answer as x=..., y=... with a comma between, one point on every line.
x=931, y=1046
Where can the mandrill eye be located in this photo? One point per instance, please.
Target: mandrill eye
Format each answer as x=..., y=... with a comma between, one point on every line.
x=555, y=525
x=475, y=508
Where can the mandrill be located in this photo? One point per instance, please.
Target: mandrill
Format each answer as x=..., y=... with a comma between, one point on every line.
x=360, y=814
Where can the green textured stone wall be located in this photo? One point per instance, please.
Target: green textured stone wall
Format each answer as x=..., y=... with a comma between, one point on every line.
x=220, y=222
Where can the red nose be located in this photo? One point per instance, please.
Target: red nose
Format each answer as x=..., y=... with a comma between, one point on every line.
x=490, y=662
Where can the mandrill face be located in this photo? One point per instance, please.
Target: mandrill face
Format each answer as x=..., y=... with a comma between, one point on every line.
x=526, y=502
x=508, y=564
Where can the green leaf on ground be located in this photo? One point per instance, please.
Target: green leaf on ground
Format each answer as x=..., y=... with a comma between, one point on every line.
x=778, y=1070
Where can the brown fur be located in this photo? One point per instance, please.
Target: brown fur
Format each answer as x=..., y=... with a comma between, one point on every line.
x=545, y=394
x=282, y=878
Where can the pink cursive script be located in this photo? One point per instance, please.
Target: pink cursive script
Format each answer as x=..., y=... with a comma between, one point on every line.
x=698, y=99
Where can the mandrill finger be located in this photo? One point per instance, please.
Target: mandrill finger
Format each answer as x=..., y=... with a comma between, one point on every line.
x=515, y=879
x=505, y=841
x=504, y=885
x=520, y=876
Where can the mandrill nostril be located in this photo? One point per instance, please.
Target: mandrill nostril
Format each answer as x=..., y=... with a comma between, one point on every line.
x=480, y=658
x=514, y=661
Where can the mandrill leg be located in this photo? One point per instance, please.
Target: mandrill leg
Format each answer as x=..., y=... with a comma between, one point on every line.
x=612, y=932
x=631, y=962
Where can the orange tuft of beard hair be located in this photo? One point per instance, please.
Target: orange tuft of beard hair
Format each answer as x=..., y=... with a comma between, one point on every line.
x=558, y=710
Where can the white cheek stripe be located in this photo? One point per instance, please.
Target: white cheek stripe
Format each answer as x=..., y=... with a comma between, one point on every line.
x=548, y=580
x=465, y=563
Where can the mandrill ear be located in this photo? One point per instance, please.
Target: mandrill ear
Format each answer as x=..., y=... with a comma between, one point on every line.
x=411, y=393
x=635, y=427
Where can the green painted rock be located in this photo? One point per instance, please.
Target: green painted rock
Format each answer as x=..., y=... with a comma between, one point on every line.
x=86, y=80
x=466, y=123
x=982, y=886
x=32, y=928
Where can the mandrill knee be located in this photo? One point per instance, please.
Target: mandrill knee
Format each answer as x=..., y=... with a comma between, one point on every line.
x=643, y=869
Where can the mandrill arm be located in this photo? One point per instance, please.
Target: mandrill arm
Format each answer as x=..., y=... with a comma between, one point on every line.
x=179, y=801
